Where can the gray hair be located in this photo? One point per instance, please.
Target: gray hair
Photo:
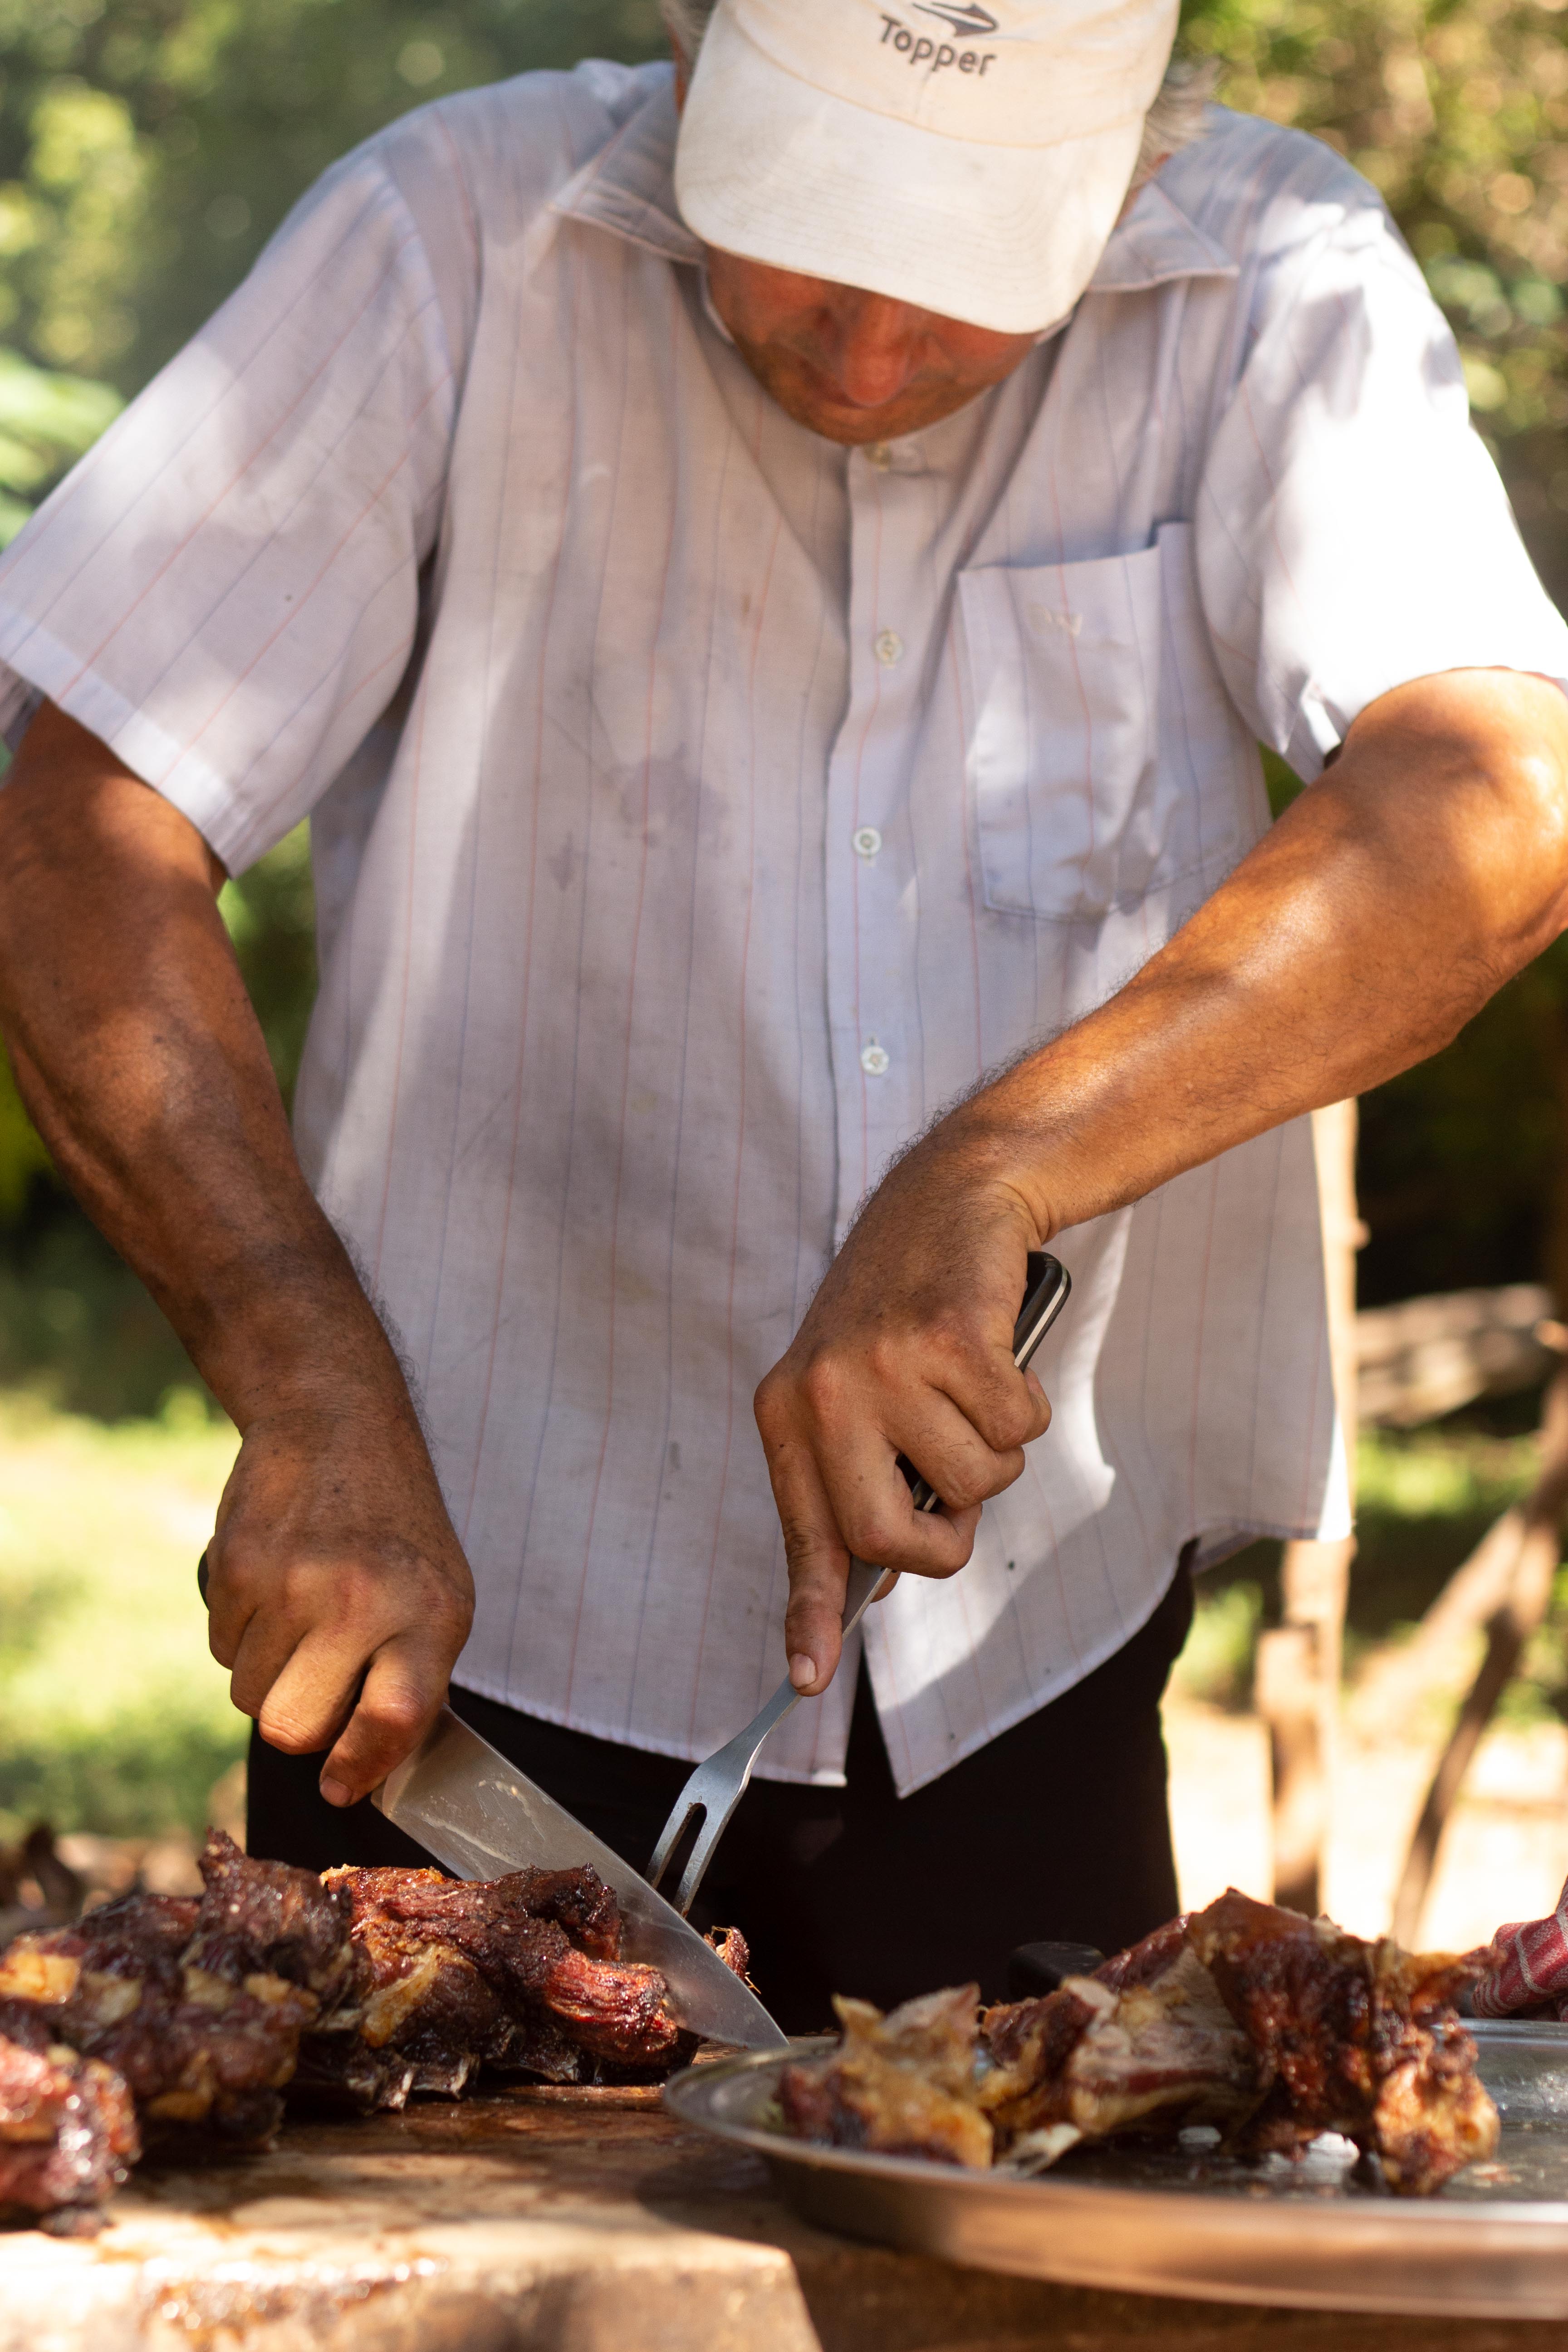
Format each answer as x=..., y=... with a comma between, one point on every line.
x=1174, y=122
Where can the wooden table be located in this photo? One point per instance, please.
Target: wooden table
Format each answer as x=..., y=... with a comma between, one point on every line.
x=533, y=2219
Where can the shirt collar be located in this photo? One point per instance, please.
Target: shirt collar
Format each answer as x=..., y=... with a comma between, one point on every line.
x=1155, y=241
x=628, y=187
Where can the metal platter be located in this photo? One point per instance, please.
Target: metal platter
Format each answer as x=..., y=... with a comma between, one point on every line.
x=1493, y=2244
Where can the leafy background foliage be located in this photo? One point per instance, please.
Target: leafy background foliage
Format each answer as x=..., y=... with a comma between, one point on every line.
x=147, y=149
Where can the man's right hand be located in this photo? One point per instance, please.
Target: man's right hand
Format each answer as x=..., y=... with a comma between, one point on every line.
x=338, y=1592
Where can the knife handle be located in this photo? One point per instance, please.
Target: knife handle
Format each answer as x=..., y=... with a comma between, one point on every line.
x=1045, y=1293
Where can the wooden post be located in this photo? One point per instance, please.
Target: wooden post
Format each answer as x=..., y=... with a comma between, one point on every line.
x=1298, y=1687
x=1529, y=1597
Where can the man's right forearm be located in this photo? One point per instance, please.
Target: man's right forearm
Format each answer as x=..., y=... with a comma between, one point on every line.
x=141, y=1061
x=339, y=1596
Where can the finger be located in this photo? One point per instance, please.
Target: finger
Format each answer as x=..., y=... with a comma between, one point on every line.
x=1008, y=1409
x=403, y=1692
x=265, y=1648
x=231, y=1606
x=873, y=1510
x=819, y=1562
x=814, y=1641
x=313, y=1692
x=949, y=1453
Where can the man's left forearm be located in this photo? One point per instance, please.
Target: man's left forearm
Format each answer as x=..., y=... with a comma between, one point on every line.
x=1381, y=911
x=1392, y=899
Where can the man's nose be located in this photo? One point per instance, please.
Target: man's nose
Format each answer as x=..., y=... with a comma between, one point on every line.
x=875, y=349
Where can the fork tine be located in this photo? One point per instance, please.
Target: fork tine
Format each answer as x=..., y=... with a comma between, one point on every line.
x=674, y=1829
x=695, y=1870
x=714, y=1789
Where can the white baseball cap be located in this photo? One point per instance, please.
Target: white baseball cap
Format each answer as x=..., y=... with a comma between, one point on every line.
x=970, y=159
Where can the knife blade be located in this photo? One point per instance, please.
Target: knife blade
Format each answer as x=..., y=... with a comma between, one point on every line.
x=481, y=1817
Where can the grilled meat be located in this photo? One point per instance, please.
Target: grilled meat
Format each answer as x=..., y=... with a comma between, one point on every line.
x=1154, y=2053
x=268, y=1915
x=1353, y=2037
x=521, y=1971
x=68, y=2129
x=1271, y=2027
x=197, y=2004
x=900, y=2085
x=358, y=1989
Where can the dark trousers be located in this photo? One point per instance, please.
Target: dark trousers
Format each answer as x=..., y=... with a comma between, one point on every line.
x=1057, y=1830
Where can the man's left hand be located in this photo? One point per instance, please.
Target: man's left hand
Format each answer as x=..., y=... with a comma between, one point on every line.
x=906, y=1349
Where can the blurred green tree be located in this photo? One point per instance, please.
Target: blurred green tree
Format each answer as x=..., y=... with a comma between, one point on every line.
x=1456, y=110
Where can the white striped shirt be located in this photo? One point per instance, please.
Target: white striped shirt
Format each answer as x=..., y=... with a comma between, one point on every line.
x=698, y=806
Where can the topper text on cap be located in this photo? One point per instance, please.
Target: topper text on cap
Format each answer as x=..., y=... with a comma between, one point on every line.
x=958, y=17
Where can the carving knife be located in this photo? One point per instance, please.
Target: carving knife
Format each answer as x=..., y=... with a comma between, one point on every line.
x=458, y=1797
x=481, y=1817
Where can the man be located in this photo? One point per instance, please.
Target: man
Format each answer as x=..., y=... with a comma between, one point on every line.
x=770, y=627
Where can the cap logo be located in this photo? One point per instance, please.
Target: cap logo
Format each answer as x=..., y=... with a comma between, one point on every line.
x=919, y=49
x=957, y=16
x=1053, y=71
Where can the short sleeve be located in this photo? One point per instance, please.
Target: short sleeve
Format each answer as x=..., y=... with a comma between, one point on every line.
x=1351, y=531
x=226, y=590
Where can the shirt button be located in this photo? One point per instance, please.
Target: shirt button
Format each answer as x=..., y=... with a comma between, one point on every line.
x=889, y=648
x=866, y=842
x=878, y=454
x=875, y=1059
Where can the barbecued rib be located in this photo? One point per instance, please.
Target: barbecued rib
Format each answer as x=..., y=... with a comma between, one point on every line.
x=1158, y=2053
x=269, y=1916
x=197, y=2003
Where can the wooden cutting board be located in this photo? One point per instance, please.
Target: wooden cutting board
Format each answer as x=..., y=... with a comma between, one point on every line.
x=572, y=2223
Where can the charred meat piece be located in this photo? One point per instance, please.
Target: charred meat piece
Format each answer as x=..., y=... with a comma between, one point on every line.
x=903, y=2085
x=186, y=2012
x=218, y=2056
x=266, y=1916
x=339, y=2075
x=617, y=2009
x=139, y=1935
x=614, y=2010
x=479, y=1917
x=410, y=1991
x=733, y=1951
x=67, y=2131
x=1354, y=2037
x=362, y=1988
x=1141, y=1963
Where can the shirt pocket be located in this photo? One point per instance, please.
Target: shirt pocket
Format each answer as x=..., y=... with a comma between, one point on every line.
x=1089, y=793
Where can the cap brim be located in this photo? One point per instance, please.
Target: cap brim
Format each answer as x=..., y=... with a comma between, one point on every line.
x=1003, y=238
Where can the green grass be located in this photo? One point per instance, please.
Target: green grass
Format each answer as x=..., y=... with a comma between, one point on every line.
x=113, y=1715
